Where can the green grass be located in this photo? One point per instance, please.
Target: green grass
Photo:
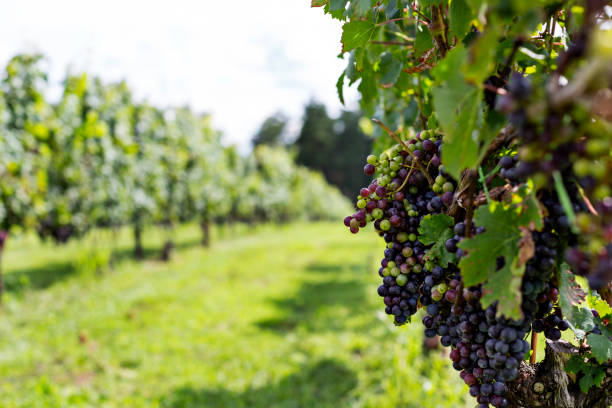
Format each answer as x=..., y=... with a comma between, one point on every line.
x=278, y=317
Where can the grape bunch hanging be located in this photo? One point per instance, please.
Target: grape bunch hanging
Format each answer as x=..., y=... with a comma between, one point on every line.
x=409, y=190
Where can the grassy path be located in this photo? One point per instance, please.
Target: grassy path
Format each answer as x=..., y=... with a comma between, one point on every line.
x=281, y=317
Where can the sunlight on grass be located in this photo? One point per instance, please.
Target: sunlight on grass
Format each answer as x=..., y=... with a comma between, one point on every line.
x=276, y=317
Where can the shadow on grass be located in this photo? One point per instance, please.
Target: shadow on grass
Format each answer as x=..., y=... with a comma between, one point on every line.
x=319, y=305
x=44, y=276
x=39, y=277
x=324, y=384
x=333, y=268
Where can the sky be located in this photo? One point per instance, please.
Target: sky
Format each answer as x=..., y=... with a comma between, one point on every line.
x=238, y=60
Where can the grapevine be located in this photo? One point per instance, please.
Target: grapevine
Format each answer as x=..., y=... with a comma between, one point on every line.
x=493, y=194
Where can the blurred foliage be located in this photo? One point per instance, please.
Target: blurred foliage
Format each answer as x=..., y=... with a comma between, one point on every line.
x=98, y=158
x=272, y=130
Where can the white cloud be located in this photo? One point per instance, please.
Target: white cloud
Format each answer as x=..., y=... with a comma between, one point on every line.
x=239, y=60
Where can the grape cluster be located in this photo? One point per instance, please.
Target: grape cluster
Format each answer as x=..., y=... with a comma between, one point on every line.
x=487, y=348
x=395, y=203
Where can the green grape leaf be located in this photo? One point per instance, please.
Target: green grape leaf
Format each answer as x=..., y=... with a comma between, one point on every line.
x=601, y=347
x=430, y=2
x=504, y=287
x=318, y=3
x=460, y=146
x=423, y=41
x=367, y=87
x=575, y=364
x=448, y=68
x=481, y=57
x=361, y=7
x=391, y=8
x=592, y=375
x=601, y=306
x=335, y=5
x=340, y=87
x=436, y=230
x=457, y=106
x=351, y=69
x=460, y=17
x=390, y=69
x=570, y=293
x=503, y=237
x=356, y=34
x=580, y=321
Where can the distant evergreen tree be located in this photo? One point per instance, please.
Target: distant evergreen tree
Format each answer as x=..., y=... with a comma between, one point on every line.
x=336, y=147
x=271, y=131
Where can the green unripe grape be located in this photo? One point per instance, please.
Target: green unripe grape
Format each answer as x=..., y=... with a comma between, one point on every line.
x=395, y=271
x=393, y=174
x=412, y=147
x=602, y=192
x=385, y=225
x=362, y=203
x=595, y=246
x=386, y=272
x=429, y=265
x=377, y=213
x=402, y=237
x=412, y=213
x=401, y=280
x=413, y=190
x=412, y=237
x=369, y=218
x=418, y=268
x=382, y=181
x=539, y=180
x=442, y=288
x=440, y=179
x=448, y=187
x=598, y=170
x=597, y=147
x=419, y=145
x=407, y=251
x=436, y=296
x=390, y=245
x=394, y=165
x=391, y=264
x=436, y=188
x=372, y=159
x=398, y=159
x=582, y=167
x=382, y=157
x=384, y=163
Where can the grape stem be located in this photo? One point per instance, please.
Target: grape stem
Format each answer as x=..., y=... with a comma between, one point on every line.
x=401, y=142
x=534, y=347
x=405, y=180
